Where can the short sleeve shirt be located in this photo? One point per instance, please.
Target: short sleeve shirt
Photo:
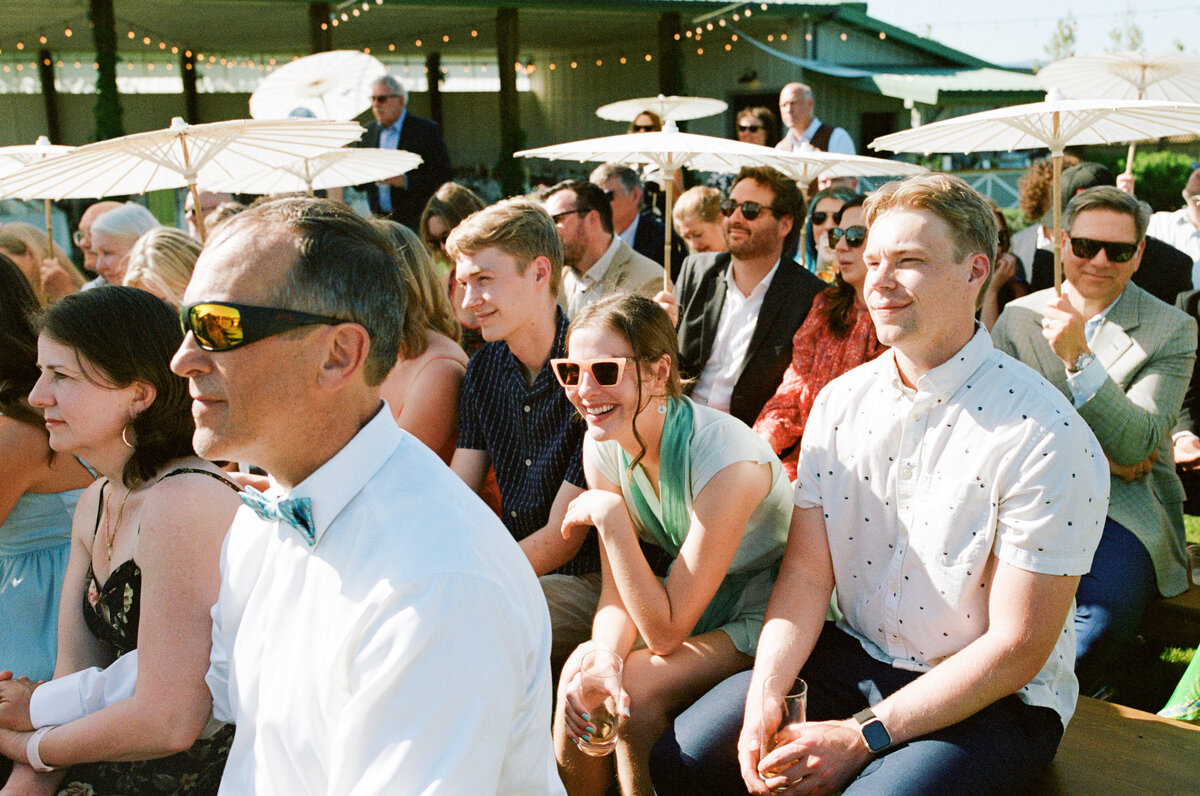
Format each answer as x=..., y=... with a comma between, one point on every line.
x=921, y=488
x=532, y=435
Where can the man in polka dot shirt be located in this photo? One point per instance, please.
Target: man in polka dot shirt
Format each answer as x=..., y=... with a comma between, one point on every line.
x=954, y=498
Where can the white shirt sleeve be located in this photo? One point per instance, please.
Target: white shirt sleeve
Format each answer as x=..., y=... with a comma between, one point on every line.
x=841, y=142
x=73, y=696
x=1086, y=383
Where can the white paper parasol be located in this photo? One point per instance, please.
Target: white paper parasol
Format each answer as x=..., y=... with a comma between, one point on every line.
x=1167, y=77
x=1054, y=124
x=673, y=108
x=335, y=169
x=15, y=158
x=332, y=85
x=182, y=155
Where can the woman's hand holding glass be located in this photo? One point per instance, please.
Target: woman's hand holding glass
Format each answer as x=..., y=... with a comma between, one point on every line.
x=594, y=700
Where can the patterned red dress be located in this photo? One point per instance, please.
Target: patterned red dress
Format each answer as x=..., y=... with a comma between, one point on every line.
x=818, y=357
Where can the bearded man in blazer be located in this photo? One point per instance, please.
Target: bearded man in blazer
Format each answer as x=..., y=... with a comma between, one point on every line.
x=402, y=198
x=1124, y=359
x=739, y=310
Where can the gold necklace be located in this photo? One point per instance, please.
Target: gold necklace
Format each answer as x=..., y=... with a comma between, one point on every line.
x=112, y=530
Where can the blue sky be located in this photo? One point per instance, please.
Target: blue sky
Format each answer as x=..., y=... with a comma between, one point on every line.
x=1015, y=31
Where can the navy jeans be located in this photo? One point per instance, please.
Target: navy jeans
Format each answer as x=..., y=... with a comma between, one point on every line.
x=1000, y=749
x=1109, y=604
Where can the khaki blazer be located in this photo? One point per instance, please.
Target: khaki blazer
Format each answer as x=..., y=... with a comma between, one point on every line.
x=629, y=272
x=1147, y=347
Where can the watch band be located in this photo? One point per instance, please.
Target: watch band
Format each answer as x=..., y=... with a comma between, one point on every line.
x=1081, y=362
x=31, y=750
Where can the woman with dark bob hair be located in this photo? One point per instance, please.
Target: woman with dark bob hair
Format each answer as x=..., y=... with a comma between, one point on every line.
x=688, y=479
x=143, y=569
x=38, y=492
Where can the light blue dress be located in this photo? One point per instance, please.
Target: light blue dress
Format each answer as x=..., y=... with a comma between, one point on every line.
x=34, y=542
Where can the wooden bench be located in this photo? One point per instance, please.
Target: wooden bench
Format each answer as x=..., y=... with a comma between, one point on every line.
x=1174, y=622
x=1112, y=750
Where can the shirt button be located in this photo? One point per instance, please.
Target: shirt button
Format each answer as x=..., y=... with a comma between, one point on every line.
x=529, y=462
x=915, y=416
x=512, y=514
x=906, y=473
x=527, y=407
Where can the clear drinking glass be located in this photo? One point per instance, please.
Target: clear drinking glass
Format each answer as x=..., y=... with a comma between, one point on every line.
x=787, y=697
x=600, y=678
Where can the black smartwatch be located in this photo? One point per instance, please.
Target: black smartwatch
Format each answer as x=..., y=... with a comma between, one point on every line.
x=873, y=732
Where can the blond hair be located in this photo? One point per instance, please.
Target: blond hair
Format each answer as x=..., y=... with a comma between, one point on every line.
x=702, y=203
x=517, y=227
x=20, y=238
x=161, y=262
x=428, y=302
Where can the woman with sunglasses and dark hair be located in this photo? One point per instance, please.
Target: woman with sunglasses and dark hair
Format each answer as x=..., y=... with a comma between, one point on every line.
x=818, y=250
x=38, y=492
x=691, y=480
x=143, y=569
x=836, y=336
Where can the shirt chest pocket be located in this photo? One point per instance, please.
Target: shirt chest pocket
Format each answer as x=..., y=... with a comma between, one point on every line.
x=953, y=523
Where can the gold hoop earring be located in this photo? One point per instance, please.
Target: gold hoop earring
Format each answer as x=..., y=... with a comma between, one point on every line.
x=128, y=444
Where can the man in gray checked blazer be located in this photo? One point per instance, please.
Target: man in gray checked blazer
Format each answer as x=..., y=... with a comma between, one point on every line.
x=596, y=262
x=1124, y=359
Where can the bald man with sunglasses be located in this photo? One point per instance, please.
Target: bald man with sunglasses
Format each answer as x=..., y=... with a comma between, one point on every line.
x=738, y=310
x=1124, y=359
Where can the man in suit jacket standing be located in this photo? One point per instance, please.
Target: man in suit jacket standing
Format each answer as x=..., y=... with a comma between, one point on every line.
x=596, y=262
x=738, y=310
x=1124, y=358
x=635, y=225
x=402, y=198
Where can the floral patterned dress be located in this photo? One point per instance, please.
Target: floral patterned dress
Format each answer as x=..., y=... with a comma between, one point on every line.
x=111, y=610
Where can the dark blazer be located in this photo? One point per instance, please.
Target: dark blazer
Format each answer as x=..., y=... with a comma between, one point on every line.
x=1165, y=271
x=422, y=137
x=700, y=291
x=649, y=239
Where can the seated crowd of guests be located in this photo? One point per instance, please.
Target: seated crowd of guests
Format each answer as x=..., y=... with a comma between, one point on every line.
x=245, y=555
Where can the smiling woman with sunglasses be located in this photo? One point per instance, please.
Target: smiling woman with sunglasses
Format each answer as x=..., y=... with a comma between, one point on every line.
x=691, y=480
x=143, y=571
x=836, y=336
x=818, y=252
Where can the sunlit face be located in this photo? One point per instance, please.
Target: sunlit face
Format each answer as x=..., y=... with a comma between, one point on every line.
x=761, y=237
x=611, y=411
x=570, y=225
x=701, y=236
x=644, y=123
x=849, y=260
x=84, y=413
x=237, y=394
x=496, y=293
x=1099, y=279
x=751, y=130
x=915, y=288
x=625, y=204
x=112, y=255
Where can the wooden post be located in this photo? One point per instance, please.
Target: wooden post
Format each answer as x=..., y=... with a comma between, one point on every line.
x=107, y=112
x=512, y=137
x=433, y=66
x=49, y=96
x=319, y=40
x=191, y=97
x=670, y=73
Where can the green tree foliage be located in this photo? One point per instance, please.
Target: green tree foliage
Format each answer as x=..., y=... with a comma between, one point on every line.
x=1062, y=40
x=1160, y=175
x=1125, y=34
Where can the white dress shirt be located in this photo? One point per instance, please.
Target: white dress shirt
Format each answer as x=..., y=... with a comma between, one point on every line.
x=1179, y=231
x=920, y=488
x=406, y=652
x=839, y=140
x=389, y=138
x=739, y=316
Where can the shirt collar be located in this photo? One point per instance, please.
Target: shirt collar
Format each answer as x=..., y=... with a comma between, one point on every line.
x=947, y=378
x=811, y=130
x=761, y=287
x=630, y=232
x=337, y=481
x=395, y=126
x=600, y=267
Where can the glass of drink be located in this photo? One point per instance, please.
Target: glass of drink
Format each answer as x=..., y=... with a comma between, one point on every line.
x=600, y=681
x=786, y=697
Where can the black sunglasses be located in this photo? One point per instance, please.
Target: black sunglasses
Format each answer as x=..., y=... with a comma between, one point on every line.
x=750, y=210
x=222, y=326
x=558, y=217
x=749, y=128
x=644, y=128
x=380, y=98
x=855, y=236
x=1116, y=251
x=818, y=217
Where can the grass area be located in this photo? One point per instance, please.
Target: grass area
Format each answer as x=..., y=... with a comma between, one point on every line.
x=1192, y=526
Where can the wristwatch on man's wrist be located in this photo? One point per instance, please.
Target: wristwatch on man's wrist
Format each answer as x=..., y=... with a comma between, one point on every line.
x=874, y=734
x=1081, y=362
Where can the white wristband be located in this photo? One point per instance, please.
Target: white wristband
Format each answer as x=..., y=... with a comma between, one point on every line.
x=31, y=750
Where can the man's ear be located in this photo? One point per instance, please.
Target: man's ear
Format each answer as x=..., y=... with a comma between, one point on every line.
x=344, y=354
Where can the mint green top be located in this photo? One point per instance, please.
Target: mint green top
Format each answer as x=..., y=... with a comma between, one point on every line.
x=708, y=444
